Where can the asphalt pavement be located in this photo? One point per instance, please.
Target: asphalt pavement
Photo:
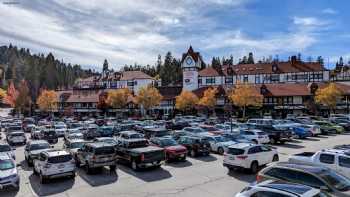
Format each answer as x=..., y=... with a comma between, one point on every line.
x=200, y=177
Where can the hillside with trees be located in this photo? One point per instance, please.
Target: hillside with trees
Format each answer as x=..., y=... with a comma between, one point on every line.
x=38, y=70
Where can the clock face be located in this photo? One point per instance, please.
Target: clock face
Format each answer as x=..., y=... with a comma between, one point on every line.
x=189, y=61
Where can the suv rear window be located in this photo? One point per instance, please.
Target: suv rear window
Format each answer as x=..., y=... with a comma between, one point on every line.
x=104, y=150
x=59, y=159
x=235, y=151
x=5, y=148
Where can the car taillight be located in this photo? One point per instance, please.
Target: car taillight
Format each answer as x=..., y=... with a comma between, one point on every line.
x=93, y=157
x=259, y=178
x=142, y=157
x=242, y=157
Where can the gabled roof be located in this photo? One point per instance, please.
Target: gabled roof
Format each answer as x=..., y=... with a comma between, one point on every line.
x=195, y=55
x=170, y=92
x=84, y=96
x=131, y=75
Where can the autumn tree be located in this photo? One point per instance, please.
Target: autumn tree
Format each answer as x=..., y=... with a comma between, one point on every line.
x=186, y=101
x=2, y=93
x=47, y=100
x=118, y=98
x=11, y=95
x=244, y=95
x=209, y=98
x=328, y=96
x=23, y=101
x=148, y=97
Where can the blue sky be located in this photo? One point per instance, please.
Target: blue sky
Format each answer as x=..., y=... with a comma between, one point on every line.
x=88, y=31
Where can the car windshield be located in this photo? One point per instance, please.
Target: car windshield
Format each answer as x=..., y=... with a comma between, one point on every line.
x=16, y=134
x=135, y=136
x=77, y=145
x=5, y=148
x=60, y=159
x=197, y=130
x=168, y=142
x=39, y=146
x=60, y=127
x=109, y=141
x=340, y=182
x=104, y=150
x=209, y=129
x=260, y=133
x=15, y=128
x=6, y=164
x=220, y=139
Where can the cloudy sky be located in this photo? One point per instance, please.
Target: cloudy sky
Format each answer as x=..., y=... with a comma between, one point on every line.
x=128, y=31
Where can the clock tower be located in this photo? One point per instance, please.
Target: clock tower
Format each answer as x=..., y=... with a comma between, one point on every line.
x=191, y=63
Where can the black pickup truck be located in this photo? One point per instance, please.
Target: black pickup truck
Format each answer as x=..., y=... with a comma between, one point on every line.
x=275, y=133
x=138, y=154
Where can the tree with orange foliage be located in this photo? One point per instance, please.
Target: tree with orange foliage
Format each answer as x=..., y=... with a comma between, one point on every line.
x=2, y=93
x=47, y=100
x=118, y=98
x=11, y=95
x=328, y=96
x=23, y=101
x=186, y=101
x=148, y=97
x=244, y=95
x=209, y=99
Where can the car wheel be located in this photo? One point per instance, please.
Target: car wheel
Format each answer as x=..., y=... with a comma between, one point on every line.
x=134, y=165
x=113, y=167
x=34, y=171
x=87, y=168
x=30, y=162
x=221, y=150
x=275, y=158
x=42, y=179
x=255, y=141
x=183, y=158
x=73, y=175
x=254, y=167
x=77, y=163
x=193, y=153
x=282, y=142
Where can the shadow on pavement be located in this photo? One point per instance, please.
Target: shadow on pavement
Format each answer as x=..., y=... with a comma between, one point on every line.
x=321, y=136
x=298, y=141
x=54, y=186
x=287, y=145
x=99, y=177
x=149, y=174
x=179, y=164
x=208, y=158
x=24, y=166
x=8, y=192
x=242, y=175
x=311, y=139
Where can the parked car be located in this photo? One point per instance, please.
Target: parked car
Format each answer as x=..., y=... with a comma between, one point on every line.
x=35, y=133
x=73, y=134
x=155, y=132
x=176, y=124
x=72, y=146
x=29, y=128
x=195, y=145
x=275, y=132
x=249, y=156
x=256, y=136
x=106, y=131
x=194, y=131
x=130, y=135
x=173, y=151
x=9, y=176
x=53, y=164
x=314, y=176
x=96, y=155
x=211, y=129
x=108, y=140
x=49, y=135
x=345, y=123
x=337, y=160
x=176, y=134
x=91, y=132
x=8, y=150
x=327, y=127
x=218, y=143
x=60, y=129
x=271, y=188
x=15, y=138
x=33, y=149
x=14, y=128
x=137, y=153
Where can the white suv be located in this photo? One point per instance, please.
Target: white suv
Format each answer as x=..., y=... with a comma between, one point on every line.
x=249, y=156
x=256, y=136
x=54, y=164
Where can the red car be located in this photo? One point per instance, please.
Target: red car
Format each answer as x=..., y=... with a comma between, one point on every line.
x=173, y=150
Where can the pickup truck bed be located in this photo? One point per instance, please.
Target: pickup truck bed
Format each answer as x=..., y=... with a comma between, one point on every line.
x=305, y=154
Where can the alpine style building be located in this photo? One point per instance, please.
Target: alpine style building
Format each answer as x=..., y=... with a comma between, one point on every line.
x=287, y=86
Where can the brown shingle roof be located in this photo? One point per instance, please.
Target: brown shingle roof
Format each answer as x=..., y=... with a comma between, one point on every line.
x=169, y=93
x=84, y=96
x=266, y=68
x=208, y=72
x=131, y=75
x=195, y=55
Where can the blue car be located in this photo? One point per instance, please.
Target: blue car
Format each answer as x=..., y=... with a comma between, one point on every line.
x=299, y=131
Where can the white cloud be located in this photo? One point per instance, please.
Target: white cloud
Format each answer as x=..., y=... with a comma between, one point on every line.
x=309, y=21
x=329, y=11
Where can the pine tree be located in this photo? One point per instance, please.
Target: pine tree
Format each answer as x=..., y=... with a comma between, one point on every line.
x=250, y=59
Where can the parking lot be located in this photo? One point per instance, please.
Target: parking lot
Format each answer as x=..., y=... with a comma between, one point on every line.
x=201, y=176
